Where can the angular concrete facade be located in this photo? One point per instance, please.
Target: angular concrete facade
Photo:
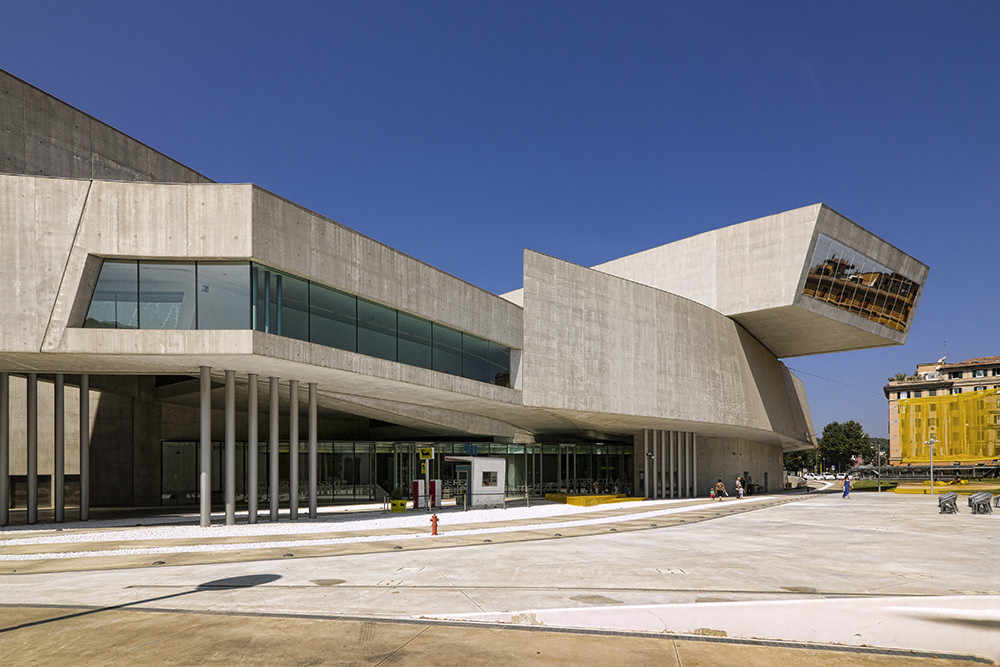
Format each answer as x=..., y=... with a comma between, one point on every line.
x=663, y=357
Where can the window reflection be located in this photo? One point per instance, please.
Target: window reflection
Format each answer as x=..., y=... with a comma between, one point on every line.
x=240, y=295
x=223, y=295
x=844, y=277
x=114, y=304
x=166, y=295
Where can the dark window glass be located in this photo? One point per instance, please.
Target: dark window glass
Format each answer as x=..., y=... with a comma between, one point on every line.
x=261, y=297
x=333, y=318
x=294, y=308
x=274, y=303
x=223, y=296
x=376, y=330
x=475, y=351
x=478, y=360
x=414, y=341
x=500, y=358
x=114, y=304
x=447, y=350
x=166, y=295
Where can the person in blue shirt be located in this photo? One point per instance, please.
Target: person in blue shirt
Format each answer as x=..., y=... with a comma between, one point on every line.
x=847, y=486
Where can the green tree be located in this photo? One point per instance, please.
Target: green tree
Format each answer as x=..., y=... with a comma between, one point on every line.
x=796, y=461
x=842, y=441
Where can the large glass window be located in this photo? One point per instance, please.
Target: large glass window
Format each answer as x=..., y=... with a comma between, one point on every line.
x=223, y=295
x=333, y=318
x=115, y=301
x=166, y=295
x=294, y=308
x=376, y=330
x=261, y=296
x=447, y=350
x=414, y=341
x=850, y=280
x=240, y=295
x=474, y=358
x=485, y=361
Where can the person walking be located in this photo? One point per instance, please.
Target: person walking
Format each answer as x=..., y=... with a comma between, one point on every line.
x=739, y=488
x=847, y=486
x=720, y=490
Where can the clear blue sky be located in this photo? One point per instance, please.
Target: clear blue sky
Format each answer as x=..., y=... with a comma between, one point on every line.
x=462, y=132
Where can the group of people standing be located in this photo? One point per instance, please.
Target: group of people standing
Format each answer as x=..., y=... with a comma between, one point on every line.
x=742, y=488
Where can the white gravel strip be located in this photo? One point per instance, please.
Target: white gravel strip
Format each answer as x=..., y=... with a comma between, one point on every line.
x=327, y=524
x=200, y=548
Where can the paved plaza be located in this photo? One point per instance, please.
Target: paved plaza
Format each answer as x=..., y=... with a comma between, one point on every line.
x=875, y=577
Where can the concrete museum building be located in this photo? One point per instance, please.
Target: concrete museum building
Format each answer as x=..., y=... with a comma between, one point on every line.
x=169, y=340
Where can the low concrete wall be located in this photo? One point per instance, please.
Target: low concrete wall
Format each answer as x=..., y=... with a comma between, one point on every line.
x=729, y=458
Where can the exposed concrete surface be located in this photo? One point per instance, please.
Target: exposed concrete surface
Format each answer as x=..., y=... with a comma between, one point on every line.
x=754, y=271
x=42, y=135
x=598, y=343
x=126, y=636
x=878, y=570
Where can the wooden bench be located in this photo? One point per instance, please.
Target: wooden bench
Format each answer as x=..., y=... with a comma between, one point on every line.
x=980, y=502
x=948, y=503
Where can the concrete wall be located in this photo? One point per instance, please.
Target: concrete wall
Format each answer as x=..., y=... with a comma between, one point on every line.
x=598, y=343
x=728, y=458
x=754, y=272
x=124, y=436
x=41, y=135
x=53, y=228
x=304, y=243
x=744, y=267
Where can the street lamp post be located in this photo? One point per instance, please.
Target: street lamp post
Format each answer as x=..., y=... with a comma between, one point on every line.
x=930, y=443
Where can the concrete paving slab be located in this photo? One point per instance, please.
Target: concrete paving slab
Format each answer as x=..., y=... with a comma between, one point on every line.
x=826, y=567
x=45, y=635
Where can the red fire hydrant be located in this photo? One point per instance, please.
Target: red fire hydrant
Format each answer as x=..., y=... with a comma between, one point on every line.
x=434, y=524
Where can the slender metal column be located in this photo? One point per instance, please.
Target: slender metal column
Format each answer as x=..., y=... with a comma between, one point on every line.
x=662, y=437
x=694, y=463
x=32, y=447
x=230, y=480
x=205, y=449
x=84, y=447
x=689, y=455
x=59, y=448
x=675, y=457
x=681, y=466
x=687, y=466
x=576, y=473
x=645, y=463
x=313, y=454
x=559, y=460
x=4, y=449
x=541, y=466
x=293, y=445
x=272, y=463
x=252, y=448
x=656, y=464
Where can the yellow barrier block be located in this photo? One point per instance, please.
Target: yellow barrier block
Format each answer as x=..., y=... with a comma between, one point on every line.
x=397, y=505
x=588, y=501
x=963, y=490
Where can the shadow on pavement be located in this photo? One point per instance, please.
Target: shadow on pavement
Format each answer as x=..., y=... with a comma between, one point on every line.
x=245, y=581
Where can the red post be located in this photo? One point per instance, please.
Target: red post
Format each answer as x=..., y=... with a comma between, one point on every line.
x=434, y=524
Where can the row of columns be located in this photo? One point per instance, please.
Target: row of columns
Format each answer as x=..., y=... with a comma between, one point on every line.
x=670, y=464
x=229, y=456
x=58, y=447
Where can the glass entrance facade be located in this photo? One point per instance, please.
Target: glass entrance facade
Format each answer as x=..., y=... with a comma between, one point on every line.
x=355, y=471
